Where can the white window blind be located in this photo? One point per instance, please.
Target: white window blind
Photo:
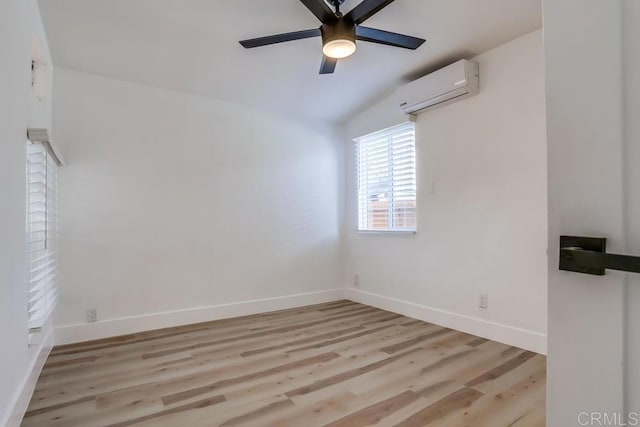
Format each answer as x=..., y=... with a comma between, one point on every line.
x=386, y=168
x=42, y=233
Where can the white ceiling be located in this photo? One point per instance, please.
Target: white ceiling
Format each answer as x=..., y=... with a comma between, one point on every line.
x=192, y=45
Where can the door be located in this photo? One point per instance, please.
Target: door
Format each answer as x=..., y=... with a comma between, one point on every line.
x=592, y=54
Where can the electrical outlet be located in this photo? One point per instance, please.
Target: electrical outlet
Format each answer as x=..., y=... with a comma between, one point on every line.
x=92, y=315
x=483, y=302
x=356, y=280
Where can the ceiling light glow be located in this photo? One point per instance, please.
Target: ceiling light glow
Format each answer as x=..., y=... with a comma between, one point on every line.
x=340, y=48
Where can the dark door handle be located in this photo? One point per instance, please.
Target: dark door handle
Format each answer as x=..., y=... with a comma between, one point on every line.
x=589, y=255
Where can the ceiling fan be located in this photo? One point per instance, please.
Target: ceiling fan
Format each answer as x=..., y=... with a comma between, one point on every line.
x=339, y=33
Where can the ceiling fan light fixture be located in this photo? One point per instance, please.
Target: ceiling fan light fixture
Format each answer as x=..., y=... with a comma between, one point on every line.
x=338, y=38
x=339, y=48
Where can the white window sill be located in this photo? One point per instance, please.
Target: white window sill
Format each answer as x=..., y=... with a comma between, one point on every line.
x=388, y=232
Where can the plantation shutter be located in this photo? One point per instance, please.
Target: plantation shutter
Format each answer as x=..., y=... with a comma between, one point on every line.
x=42, y=233
x=386, y=169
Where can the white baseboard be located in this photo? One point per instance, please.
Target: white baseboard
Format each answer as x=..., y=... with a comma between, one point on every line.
x=24, y=391
x=68, y=334
x=517, y=337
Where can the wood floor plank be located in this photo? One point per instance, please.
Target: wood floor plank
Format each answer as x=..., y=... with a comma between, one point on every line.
x=256, y=414
x=508, y=407
x=527, y=369
x=413, y=341
x=196, y=405
x=184, y=395
x=33, y=412
x=287, y=381
x=502, y=369
x=336, y=364
x=326, y=382
x=152, y=380
x=317, y=413
x=288, y=344
x=289, y=328
x=456, y=401
x=230, y=367
x=171, y=340
x=338, y=306
x=382, y=339
x=373, y=414
x=330, y=342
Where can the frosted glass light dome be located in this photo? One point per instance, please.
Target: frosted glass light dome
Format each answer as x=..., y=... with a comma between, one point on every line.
x=338, y=49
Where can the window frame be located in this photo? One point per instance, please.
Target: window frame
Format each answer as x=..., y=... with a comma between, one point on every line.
x=364, y=227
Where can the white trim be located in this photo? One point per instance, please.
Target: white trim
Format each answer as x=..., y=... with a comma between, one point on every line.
x=24, y=391
x=387, y=232
x=68, y=334
x=41, y=135
x=518, y=337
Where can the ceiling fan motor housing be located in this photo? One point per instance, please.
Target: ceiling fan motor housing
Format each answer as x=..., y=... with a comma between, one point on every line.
x=340, y=29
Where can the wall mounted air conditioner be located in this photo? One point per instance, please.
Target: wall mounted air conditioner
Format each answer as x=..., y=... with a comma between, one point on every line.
x=449, y=84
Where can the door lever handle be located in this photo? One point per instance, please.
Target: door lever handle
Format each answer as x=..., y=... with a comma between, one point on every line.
x=589, y=255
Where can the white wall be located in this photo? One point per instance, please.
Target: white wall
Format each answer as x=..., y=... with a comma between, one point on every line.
x=19, y=109
x=171, y=202
x=482, y=203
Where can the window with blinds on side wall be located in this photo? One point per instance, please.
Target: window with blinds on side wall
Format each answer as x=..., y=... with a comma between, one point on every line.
x=386, y=170
x=42, y=233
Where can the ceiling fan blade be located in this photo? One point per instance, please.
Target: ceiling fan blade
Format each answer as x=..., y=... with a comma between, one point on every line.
x=367, y=9
x=385, y=37
x=328, y=65
x=320, y=9
x=280, y=38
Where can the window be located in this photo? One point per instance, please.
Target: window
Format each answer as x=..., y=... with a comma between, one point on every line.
x=41, y=232
x=386, y=168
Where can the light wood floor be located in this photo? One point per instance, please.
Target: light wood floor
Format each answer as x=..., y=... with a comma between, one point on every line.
x=337, y=364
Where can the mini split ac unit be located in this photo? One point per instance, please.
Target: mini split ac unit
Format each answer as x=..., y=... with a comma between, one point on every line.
x=449, y=84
